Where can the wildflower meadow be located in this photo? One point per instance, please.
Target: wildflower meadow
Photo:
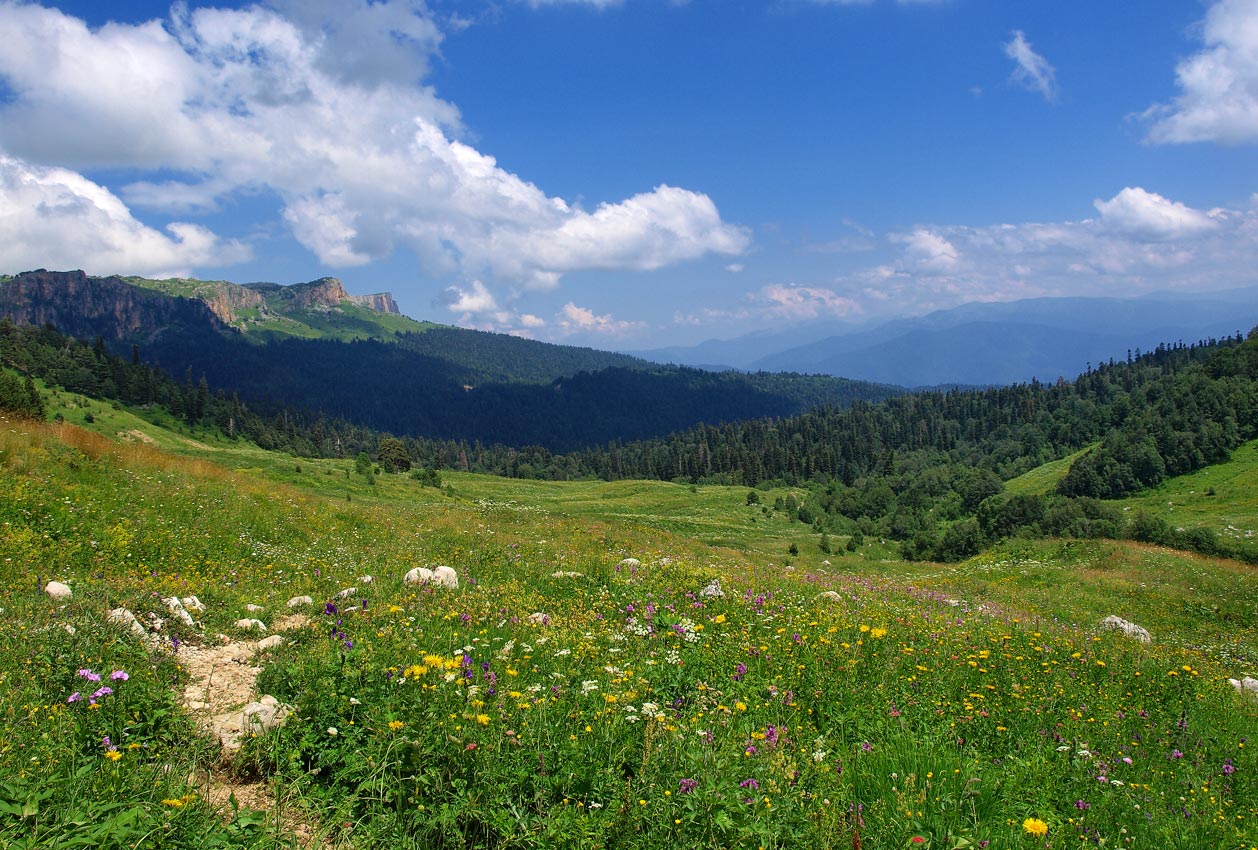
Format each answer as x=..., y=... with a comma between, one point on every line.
x=592, y=682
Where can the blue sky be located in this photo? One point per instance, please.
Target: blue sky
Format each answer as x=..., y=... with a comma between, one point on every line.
x=643, y=172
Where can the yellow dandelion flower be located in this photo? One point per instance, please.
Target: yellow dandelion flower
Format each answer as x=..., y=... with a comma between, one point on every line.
x=174, y=803
x=396, y=725
x=113, y=755
x=718, y=619
x=878, y=632
x=482, y=719
x=1035, y=826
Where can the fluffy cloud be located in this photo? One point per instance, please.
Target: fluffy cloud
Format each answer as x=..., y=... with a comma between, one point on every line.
x=1032, y=70
x=55, y=218
x=1149, y=215
x=1140, y=242
x=320, y=106
x=1218, y=100
x=574, y=319
x=795, y=302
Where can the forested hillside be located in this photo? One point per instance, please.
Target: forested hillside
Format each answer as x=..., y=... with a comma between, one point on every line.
x=320, y=351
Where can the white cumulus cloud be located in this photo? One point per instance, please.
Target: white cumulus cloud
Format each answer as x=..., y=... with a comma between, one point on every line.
x=573, y=319
x=321, y=105
x=1218, y=99
x=794, y=302
x=56, y=218
x=1149, y=215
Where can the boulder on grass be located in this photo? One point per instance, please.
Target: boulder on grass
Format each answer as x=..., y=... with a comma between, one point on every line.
x=418, y=575
x=298, y=601
x=57, y=591
x=1130, y=629
x=445, y=577
x=250, y=625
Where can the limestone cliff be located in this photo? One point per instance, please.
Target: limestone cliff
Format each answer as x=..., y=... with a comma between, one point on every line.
x=108, y=307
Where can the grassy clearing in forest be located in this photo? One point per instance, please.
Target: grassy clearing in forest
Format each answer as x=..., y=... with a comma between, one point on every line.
x=912, y=705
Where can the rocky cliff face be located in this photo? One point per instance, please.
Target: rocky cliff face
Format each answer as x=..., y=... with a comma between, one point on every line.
x=381, y=302
x=326, y=293
x=108, y=307
x=227, y=299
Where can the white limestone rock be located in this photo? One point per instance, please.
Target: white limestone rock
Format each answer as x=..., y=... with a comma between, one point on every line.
x=192, y=603
x=57, y=591
x=445, y=577
x=418, y=575
x=1130, y=629
x=254, y=609
x=124, y=617
x=1246, y=685
x=272, y=642
x=250, y=625
x=366, y=579
x=830, y=595
x=346, y=593
x=299, y=601
x=629, y=563
x=175, y=606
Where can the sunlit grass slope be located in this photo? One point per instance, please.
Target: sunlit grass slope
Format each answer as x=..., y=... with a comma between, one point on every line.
x=561, y=699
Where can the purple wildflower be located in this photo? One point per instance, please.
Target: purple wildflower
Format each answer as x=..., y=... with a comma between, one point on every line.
x=102, y=692
x=687, y=785
x=739, y=672
x=119, y=676
x=1228, y=768
x=74, y=697
x=1082, y=805
x=329, y=609
x=89, y=675
x=867, y=747
x=749, y=783
x=1176, y=754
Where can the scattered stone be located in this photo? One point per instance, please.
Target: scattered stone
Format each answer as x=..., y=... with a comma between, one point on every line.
x=629, y=563
x=418, y=575
x=254, y=719
x=346, y=593
x=825, y=563
x=1246, y=685
x=1131, y=630
x=446, y=577
x=298, y=601
x=832, y=595
x=254, y=609
x=70, y=630
x=272, y=642
x=366, y=579
x=537, y=618
x=58, y=591
x=567, y=574
x=250, y=625
x=712, y=590
x=124, y=617
x=155, y=622
x=192, y=603
x=178, y=611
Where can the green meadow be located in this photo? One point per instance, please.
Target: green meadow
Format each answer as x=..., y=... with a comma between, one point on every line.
x=563, y=697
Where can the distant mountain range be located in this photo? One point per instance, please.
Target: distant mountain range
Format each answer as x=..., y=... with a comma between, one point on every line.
x=984, y=343
x=314, y=347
